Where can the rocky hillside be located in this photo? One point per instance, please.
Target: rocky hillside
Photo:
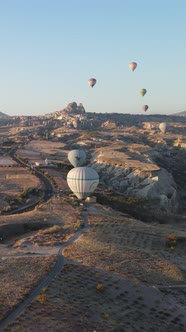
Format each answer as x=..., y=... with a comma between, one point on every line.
x=138, y=178
x=132, y=156
x=180, y=114
x=3, y=114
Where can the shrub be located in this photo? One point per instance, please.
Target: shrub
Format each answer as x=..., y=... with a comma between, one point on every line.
x=100, y=287
x=105, y=315
x=79, y=224
x=54, y=229
x=171, y=240
x=42, y=298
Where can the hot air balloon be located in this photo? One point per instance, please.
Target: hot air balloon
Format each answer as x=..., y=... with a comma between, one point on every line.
x=92, y=82
x=77, y=157
x=82, y=181
x=132, y=66
x=143, y=91
x=163, y=127
x=145, y=108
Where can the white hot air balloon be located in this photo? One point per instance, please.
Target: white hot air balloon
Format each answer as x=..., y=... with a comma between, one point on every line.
x=82, y=181
x=77, y=157
x=163, y=127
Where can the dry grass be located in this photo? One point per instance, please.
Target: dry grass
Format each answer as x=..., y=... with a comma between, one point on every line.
x=73, y=302
x=55, y=211
x=14, y=181
x=120, y=246
x=129, y=158
x=38, y=151
x=58, y=178
x=52, y=236
x=18, y=275
x=102, y=286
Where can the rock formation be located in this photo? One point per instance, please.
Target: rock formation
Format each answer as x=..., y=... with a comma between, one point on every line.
x=137, y=179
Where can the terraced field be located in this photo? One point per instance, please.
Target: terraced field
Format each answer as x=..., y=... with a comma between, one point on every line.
x=129, y=248
x=118, y=276
x=82, y=298
x=18, y=275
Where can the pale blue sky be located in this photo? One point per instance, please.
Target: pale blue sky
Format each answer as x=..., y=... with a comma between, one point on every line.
x=49, y=49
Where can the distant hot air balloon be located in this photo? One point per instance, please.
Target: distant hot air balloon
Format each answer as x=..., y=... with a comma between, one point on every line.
x=77, y=157
x=163, y=127
x=82, y=181
x=132, y=66
x=92, y=82
x=145, y=108
x=143, y=91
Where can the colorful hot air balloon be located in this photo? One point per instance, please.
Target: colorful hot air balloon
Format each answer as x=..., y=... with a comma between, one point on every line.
x=132, y=66
x=145, y=108
x=77, y=157
x=163, y=127
x=82, y=181
x=143, y=91
x=92, y=82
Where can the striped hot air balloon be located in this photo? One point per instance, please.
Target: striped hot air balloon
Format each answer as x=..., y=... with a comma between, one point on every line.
x=82, y=181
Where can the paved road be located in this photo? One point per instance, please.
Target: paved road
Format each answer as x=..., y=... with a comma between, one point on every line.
x=48, y=189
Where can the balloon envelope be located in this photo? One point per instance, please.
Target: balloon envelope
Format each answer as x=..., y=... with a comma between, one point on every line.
x=143, y=92
x=77, y=157
x=92, y=82
x=132, y=66
x=82, y=181
x=145, y=108
x=163, y=127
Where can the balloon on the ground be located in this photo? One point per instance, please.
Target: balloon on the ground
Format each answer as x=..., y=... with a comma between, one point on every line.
x=163, y=127
x=77, y=157
x=82, y=181
x=92, y=82
x=143, y=92
x=132, y=66
x=145, y=108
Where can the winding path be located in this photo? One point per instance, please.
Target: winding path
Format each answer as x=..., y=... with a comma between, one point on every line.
x=48, y=189
x=53, y=272
x=60, y=258
x=43, y=283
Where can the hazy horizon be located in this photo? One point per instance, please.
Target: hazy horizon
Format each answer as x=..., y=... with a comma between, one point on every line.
x=138, y=113
x=49, y=50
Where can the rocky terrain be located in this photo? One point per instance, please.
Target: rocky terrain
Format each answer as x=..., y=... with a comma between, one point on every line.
x=132, y=156
x=115, y=264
